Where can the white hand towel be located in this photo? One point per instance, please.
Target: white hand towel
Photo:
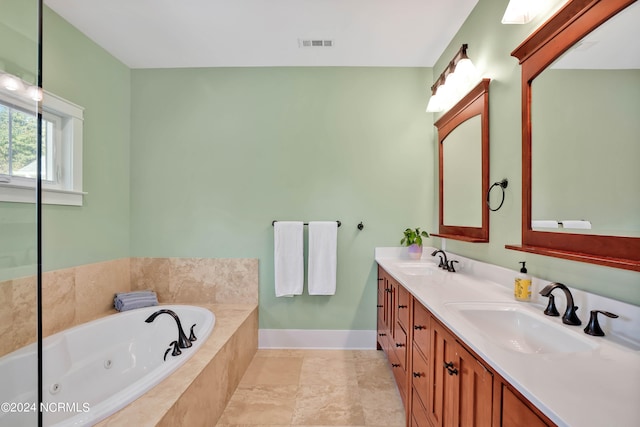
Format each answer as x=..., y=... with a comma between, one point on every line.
x=323, y=245
x=288, y=257
x=575, y=223
x=544, y=223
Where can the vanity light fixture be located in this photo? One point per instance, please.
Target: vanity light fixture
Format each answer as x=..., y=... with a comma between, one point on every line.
x=454, y=82
x=19, y=87
x=10, y=83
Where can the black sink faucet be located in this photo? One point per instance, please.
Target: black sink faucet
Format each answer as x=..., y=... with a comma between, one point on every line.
x=444, y=263
x=569, y=317
x=183, y=341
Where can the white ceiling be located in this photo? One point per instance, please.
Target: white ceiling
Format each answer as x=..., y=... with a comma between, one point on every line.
x=243, y=33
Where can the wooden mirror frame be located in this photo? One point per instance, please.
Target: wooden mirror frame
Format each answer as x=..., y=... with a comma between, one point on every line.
x=568, y=26
x=475, y=103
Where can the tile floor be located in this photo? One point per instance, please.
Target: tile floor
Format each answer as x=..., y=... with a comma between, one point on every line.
x=315, y=388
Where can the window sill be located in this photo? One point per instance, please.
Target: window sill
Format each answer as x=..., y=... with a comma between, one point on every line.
x=20, y=194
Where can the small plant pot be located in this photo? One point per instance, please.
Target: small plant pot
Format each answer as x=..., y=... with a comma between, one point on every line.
x=415, y=251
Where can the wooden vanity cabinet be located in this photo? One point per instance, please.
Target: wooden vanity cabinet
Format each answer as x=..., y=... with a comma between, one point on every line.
x=393, y=318
x=441, y=381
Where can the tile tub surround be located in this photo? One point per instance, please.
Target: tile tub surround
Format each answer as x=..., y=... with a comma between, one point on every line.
x=195, y=280
x=76, y=295
x=571, y=388
x=197, y=393
x=65, y=303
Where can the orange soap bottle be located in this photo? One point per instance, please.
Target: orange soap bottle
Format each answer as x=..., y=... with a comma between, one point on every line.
x=522, y=285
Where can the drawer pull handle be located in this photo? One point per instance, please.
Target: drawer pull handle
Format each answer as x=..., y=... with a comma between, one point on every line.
x=419, y=327
x=380, y=305
x=418, y=375
x=450, y=369
x=399, y=344
x=395, y=365
x=402, y=306
x=382, y=335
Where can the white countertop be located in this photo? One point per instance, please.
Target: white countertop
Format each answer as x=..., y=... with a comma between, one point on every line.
x=596, y=387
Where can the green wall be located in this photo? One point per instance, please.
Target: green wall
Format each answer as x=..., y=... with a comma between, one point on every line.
x=80, y=71
x=218, y=154
x=490, y=46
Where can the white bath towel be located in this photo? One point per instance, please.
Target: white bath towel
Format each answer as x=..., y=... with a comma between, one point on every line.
x=288, y=257
x=323, y=245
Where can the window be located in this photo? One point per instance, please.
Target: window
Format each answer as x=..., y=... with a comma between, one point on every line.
x=61, y=162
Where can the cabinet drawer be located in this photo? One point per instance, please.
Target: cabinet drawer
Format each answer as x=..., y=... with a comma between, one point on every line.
x=400, y=347
x=419, y=377
x=418, y=413
x=421, y=327
x=399, y=373
x=403, y=307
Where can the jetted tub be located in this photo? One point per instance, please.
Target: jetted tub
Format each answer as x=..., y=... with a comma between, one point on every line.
x=95, y=369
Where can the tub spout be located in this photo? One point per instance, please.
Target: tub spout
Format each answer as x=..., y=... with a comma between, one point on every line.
x=183, y=341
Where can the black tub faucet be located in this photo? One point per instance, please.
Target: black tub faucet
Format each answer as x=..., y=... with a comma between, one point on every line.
x=570, y=317
x=183, y=341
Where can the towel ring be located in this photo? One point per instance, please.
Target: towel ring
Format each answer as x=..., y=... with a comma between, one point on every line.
x=502, y=184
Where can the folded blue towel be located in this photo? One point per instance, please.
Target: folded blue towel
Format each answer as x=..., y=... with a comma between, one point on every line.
x=124, y=301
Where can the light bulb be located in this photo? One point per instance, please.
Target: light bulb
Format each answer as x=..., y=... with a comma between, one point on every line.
x=466, y=72
x=35, y=93
x=434, y=104
x=11, y=83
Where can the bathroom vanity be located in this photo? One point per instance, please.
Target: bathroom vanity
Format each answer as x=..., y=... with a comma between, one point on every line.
x=464, y=352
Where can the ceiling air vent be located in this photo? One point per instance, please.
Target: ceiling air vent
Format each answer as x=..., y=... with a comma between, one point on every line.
x=315, y=43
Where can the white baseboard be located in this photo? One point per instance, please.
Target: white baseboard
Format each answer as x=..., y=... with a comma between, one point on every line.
x=317, y=339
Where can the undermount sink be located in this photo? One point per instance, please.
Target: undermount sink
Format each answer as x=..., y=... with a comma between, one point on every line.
x=516, y=329
x=417, y=268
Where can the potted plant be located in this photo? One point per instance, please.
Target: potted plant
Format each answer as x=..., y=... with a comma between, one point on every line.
x=413, y=239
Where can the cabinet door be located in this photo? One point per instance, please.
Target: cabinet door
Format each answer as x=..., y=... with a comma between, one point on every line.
x=389, y=308
x=517, y=413
x=441, y=373
x=474, y=391
x=380, y=309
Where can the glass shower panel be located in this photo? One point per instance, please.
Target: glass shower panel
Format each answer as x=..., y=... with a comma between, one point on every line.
x=19, y=65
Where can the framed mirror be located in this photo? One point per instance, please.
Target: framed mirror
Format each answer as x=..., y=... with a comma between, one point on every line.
x=463, y=140
x=580, y=104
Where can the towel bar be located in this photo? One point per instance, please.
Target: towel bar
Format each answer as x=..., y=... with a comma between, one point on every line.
x=305, y=223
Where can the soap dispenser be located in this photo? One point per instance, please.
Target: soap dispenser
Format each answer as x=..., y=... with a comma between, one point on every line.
x=522, y=284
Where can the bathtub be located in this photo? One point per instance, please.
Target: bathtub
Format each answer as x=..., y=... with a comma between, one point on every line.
x=95, y=369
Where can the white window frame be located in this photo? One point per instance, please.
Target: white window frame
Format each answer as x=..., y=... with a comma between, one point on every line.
x=67, y=190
